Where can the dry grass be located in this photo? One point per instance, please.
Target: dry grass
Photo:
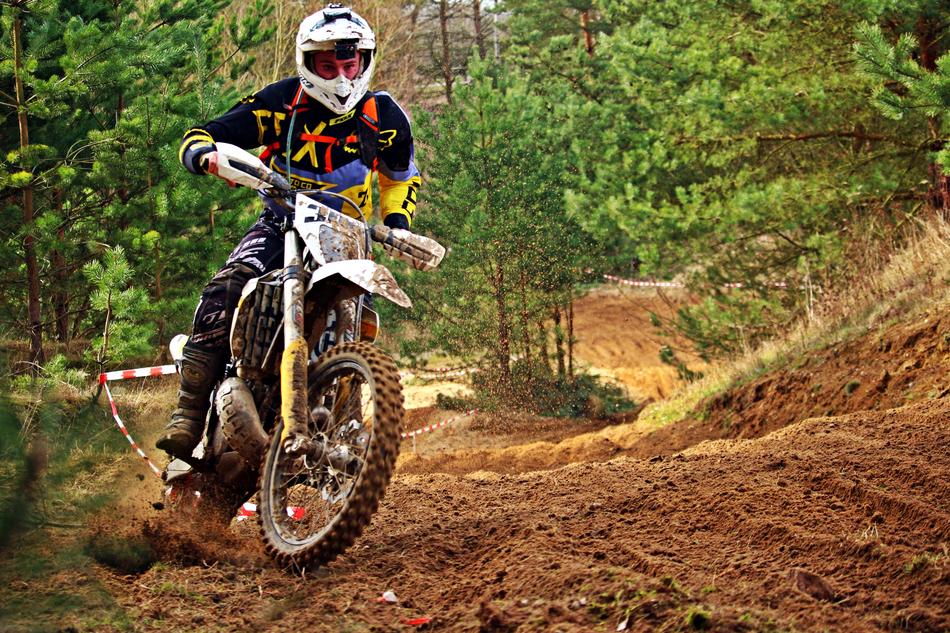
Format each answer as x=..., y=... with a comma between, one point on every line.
x=911, y=281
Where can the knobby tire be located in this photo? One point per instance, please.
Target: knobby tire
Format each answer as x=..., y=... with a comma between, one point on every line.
x=370, y=485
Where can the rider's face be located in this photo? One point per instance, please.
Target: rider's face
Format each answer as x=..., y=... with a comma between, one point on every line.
x=327, y=66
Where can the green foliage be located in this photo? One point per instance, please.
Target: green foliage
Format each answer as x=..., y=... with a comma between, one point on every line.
x=110, y=88
x=495, y=170
x=536, y=389
x=668, y=357
x=910, y=80
x=733, y=143
x=56, y=373
x=127, y=333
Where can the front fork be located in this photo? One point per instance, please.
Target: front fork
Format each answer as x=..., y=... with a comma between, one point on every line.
x=293, y=363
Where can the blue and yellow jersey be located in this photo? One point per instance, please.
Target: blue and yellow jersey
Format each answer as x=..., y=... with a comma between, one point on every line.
x=325, y=151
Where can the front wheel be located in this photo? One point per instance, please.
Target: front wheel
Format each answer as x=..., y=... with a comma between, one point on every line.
x=313, y=506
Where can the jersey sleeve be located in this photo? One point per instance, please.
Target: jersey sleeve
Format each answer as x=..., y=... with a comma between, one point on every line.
x=255, y=121
x=399, y=179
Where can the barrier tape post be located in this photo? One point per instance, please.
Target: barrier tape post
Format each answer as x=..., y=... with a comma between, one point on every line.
x=115, y=414
x=144, y=372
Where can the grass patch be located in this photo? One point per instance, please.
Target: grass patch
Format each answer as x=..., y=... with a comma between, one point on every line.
x=923, y=561
x=59, y=462
x=898, y=290
x=698, y=619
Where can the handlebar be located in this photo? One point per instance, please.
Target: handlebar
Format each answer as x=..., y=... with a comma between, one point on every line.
x=243, y=168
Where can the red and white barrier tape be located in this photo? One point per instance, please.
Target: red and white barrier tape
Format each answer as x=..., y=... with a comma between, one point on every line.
x=144, y=372
x=164, y=370
x=438, y=425
x=642, y=283
x=115, y=414
x=638, y=283
x=250, y=509
x=442, y=370
x=436, y=374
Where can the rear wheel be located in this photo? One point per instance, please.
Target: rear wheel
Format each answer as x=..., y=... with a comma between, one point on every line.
x=312, y=507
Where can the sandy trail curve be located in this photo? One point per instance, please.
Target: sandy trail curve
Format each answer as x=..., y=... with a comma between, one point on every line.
x=517, y=523
x=830, y=524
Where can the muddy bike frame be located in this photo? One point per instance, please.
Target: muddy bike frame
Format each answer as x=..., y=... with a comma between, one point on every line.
x=301, y=227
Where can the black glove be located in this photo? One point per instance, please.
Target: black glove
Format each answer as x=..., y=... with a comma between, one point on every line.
x=397, y=221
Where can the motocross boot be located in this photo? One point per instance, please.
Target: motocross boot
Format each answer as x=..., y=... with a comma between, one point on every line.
x=200, y=370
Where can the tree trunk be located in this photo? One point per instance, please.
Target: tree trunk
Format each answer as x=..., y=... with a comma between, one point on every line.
x=35, y=326
x=559, y=343
x=570, y=337
x=479, y=32
x=446, y=52
x=545, y=355
x=60, y=277
x=526, y=324
x=588, y=36
x=503, y=349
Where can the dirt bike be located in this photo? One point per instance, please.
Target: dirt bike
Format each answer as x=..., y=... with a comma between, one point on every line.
x=309, y=412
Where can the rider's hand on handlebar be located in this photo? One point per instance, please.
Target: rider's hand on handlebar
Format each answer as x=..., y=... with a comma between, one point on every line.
x=210, y=162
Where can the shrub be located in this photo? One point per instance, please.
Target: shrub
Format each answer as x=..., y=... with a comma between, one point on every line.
x=535, y=389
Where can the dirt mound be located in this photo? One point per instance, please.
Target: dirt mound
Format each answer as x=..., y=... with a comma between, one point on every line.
x=616, y=337
x=509, y=443
x=833, y=523
x=888, y=367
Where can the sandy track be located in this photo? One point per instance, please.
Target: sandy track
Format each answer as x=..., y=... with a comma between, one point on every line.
x=727, y=530
x=516, y=523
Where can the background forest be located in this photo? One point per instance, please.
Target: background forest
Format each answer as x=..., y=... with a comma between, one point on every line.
x=782, y=146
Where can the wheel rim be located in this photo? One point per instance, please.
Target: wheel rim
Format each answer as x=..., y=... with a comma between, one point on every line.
x=309, y=497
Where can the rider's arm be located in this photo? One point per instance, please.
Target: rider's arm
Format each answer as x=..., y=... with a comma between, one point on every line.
x=398, y=176
x=256, y=120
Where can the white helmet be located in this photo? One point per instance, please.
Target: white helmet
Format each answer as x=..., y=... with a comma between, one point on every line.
x=339, y=29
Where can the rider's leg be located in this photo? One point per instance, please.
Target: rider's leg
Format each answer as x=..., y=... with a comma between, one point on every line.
x=208, y=349
x=200, y=368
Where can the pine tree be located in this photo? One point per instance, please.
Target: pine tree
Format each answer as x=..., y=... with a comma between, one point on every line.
x=732, y=142
x=912, y=80
x=108, y=89
x=494, y=187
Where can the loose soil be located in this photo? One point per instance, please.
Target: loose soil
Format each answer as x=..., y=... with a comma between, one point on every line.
x=515, y=523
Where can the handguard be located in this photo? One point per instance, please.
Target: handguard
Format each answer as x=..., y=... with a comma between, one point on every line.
x=420, y=252
x=244, y=168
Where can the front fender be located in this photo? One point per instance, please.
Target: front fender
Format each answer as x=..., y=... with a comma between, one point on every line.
x=366, y=274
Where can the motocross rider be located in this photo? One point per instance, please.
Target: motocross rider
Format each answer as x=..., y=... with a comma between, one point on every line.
x=322, y=130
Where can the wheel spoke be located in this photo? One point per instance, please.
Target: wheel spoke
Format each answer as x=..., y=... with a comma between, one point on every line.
x=317, y=502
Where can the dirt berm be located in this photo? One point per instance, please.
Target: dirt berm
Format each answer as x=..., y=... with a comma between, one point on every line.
x=830, y=524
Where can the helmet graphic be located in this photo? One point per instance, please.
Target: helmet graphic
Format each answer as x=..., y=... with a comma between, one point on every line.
x=339, y=29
